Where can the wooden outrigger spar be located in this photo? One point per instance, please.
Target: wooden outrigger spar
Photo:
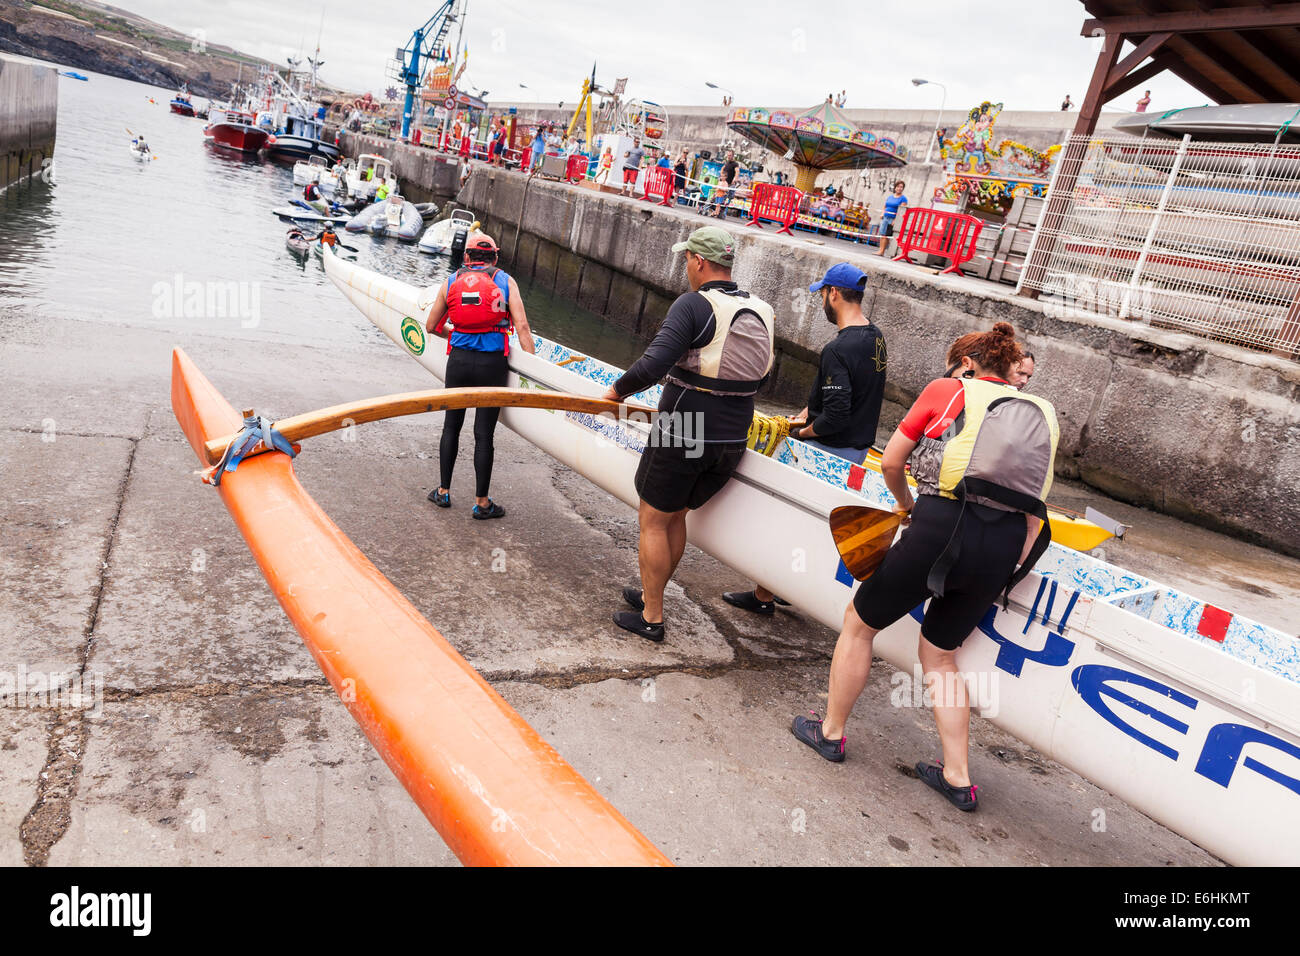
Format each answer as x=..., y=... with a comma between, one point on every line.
x=494, y=789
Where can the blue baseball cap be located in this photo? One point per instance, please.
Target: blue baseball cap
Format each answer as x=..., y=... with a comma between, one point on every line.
x=842, y=275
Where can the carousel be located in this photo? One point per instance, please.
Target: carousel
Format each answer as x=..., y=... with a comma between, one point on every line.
x=819, y=139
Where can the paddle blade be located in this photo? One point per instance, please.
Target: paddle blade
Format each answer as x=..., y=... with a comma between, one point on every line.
x=863, y=535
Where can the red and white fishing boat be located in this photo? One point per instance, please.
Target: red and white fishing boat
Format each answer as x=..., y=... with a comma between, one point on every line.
x=235, y=129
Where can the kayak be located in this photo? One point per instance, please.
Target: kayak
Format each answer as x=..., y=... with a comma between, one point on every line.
x=492, y=787
x=437, y=238
x=382, y=219
x=1188, y=712
x=297, y=243
x=141, y=154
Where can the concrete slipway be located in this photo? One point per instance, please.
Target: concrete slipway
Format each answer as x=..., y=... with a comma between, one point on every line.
x=216, y=740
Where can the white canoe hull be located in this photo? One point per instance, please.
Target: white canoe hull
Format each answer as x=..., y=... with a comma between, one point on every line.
x=1078, y=667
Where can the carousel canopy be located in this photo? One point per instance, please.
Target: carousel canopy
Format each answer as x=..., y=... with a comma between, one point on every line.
x=821, y=138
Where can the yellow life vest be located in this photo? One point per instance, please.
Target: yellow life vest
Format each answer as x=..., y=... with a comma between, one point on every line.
x=999, y=452
x=739, y=357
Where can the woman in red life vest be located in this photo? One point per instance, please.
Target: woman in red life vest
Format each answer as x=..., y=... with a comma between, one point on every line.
x=982, y=454
x=483, y=304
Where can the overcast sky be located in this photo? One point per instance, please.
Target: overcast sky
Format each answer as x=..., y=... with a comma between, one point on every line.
x=1025, y=53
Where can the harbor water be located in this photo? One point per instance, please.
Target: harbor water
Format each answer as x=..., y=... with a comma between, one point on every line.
x=189, y=237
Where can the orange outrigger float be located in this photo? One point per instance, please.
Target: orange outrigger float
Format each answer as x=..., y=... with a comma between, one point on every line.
x=494, y=789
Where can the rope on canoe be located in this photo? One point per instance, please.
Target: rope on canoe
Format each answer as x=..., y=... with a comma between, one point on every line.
x=766, y=432
x=256, y=431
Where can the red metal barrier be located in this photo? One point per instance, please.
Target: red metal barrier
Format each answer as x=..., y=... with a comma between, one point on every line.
x=659, y=180
x=940, y=233
x=576, y=170
x=777, y=203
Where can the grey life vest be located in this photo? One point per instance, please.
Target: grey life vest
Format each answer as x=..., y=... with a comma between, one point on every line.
x=739, y=357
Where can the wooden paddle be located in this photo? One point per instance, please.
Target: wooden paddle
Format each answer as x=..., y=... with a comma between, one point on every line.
x=862, y=536
x=433, y=400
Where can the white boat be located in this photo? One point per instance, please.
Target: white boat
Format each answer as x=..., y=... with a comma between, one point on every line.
x=364, y=178
x=1188, y=713
x=400, y=219
x=141, y=154
x=437, y=238
x=295, y=213
x=315, y=169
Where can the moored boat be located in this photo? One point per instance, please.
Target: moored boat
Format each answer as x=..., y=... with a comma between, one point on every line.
x=438, y=238
x=316, y=169
x=180, y=103
x=386, y=218
x=234, y=129
x=370, y=170
x=1188, y=712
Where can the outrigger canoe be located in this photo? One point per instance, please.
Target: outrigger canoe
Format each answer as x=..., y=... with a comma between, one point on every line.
x=1186, y=711
x=493, y=788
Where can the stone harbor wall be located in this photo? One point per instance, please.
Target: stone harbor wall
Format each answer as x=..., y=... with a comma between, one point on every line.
x=29, y=106
x=1198, y=429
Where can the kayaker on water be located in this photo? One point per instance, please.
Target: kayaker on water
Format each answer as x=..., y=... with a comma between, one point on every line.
x=979, y=513
x=843, y=407
x=482, y=303
x=327, y=236
x=715, y=348
x=311, y=192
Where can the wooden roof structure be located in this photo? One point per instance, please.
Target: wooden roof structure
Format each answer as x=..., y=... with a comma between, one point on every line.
x=1238, y=51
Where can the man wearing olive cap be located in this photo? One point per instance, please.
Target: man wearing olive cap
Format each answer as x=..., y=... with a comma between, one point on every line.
x=714, y=350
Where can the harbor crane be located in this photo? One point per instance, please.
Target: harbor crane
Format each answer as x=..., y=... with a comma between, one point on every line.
x=427, y=43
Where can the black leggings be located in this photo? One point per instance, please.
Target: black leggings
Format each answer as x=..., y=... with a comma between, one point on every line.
x=466, y=367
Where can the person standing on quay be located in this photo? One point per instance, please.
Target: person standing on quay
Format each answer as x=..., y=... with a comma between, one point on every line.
x=979, y=513
x=483, y=304
x=843, y=409
x=895, y=206
x=1143, y=103
x=631, y=166
x=715, y=349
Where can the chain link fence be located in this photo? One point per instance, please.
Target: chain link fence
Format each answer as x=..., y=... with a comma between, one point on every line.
x=1194, y=236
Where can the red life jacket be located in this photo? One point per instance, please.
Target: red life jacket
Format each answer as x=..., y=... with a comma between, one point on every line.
x=477, y=304
x=310, y=192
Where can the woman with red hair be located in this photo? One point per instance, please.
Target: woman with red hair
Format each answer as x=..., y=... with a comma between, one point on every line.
x=982, y=455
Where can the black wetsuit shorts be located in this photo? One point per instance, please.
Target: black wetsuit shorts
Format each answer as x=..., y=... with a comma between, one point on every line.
x=991, y=541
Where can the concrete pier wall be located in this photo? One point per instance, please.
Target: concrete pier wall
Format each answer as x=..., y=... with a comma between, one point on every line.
x=1197, y=429
x=29, y=105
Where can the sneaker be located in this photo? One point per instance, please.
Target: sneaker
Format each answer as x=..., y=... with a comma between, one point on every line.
x=493, y=510
x=633, y=597
x=634, y=622
x=440, y=498
x=748, y=601
x=809, y=730
x=963, y=798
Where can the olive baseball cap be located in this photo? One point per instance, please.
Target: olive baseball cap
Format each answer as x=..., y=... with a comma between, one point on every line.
x=712, y=243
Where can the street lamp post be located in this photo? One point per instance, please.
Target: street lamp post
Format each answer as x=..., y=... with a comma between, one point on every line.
x=942, y=100
x=715, y=86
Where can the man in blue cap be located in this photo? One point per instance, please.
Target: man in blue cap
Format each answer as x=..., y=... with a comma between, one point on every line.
x=843, y=408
